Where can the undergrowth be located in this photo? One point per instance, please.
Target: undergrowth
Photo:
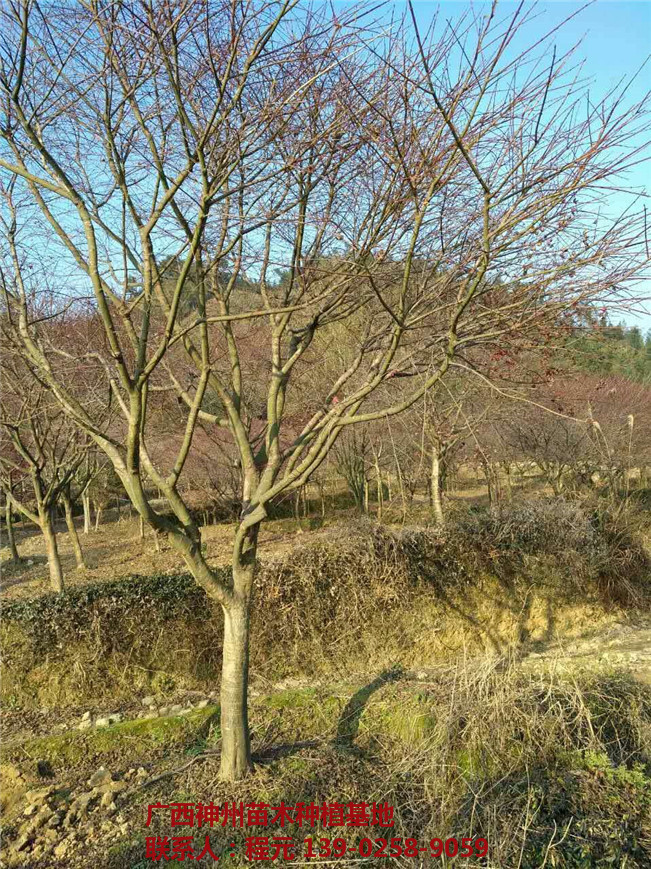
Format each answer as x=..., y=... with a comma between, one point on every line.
x=411, y=595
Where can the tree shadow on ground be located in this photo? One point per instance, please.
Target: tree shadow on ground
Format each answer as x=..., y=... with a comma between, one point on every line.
x=348, y=725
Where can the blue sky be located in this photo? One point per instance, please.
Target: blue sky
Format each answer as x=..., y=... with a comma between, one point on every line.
x=616, y=41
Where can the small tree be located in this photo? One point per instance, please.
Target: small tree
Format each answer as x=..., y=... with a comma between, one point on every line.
x=45, y=446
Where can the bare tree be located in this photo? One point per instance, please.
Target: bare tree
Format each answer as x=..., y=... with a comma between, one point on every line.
x=240, y=192
x=47, y=447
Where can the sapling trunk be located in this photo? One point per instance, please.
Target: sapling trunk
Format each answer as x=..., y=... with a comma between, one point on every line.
x=85, y=500
x=74, y=537
x=435, y=487
x=9, y=521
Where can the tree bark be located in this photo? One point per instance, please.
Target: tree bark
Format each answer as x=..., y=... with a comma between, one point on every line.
x=72, y=531
x=53, y=560
x=98, y=513
x=236, y=744
x=9, y=520
x=435, y=486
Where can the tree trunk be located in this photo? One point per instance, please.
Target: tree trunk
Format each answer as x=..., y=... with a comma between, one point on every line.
x=9, y=518
x=85, y=500
x=142, y=528
x=98, y=513
x=508, y=482
x=72, y=531
x=53, y=560
x=435, y=486
x=236, y=743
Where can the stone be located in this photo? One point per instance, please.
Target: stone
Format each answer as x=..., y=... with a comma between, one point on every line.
x=55, y=820
x=107, y=799
x=86, y=716
x=102, y=722
x=149, y=700
x=187, y=710
x=61, y=849
x=30, y=810
x=99, y=777
x=147, y=716
x=39, y=796
x=164, y=710
x=85, y=725
x=23, y=841
x=83, y=801
x=43, y=816
x=115, y=718
x=176, y=709
x=202, y=704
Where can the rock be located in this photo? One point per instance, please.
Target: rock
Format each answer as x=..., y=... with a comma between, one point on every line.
x=81, y=804
x=111, y=809
x=51, y=835
x=202, y=704
x=55, y=820
x=86, y=716
x=164, y=710
x=102, y=722
x=100, y=777
x=115, y=718
x=44, y=815
x=176, y=709
x=187, y=710
x=107, y=799
x=114, y=787
x=29, y=562
x=85, y=725
x=147, y=716
x=23, y=841
x=30, y=810
x=149, y=700
x=39, y=796
x=62, y=849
